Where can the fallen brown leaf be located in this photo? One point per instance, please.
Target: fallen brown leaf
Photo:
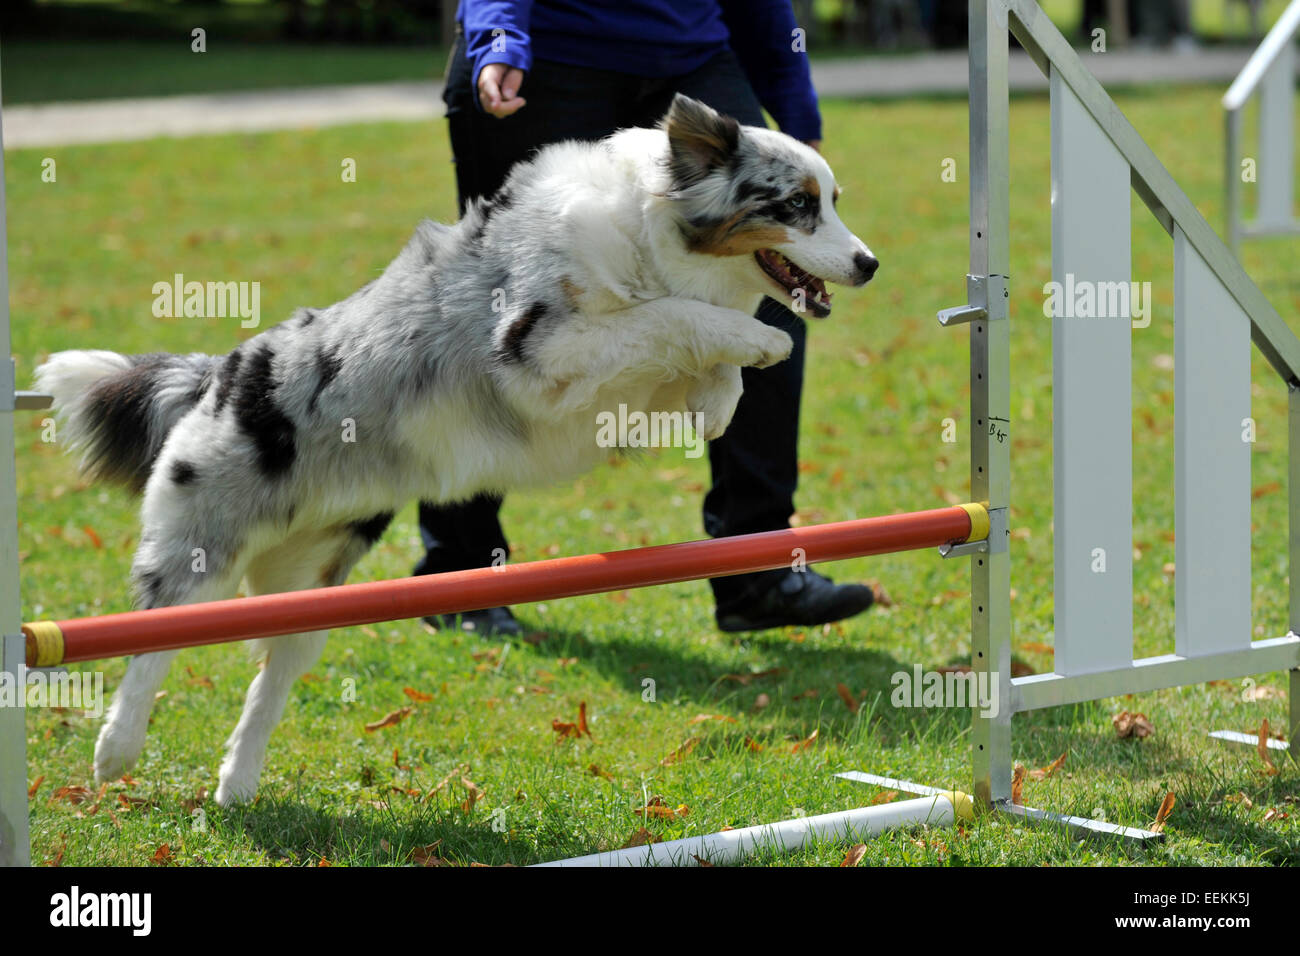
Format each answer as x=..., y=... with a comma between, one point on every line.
x=681, y=753
x=661, y=811
x=389, y=720
x=885, y=796
x=1017, y=784
x=473, y=794
x=701, y=718
x=641, y=837
x=1262, y=749
x=416, y=695
x=57, y=859
x=1051, y=768
x=73, y=794
x=428, y=856
x=1162, y=815
x=846, y=695
x=805, y=744
x=855, y=855
x=1128, y=724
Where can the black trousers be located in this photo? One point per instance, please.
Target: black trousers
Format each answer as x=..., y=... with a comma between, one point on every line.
x=754, y=463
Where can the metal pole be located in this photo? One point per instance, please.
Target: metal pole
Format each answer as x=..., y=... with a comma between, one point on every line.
x=14, y=850
x=1232, y=180
x=990, y=387
x=1293, y=556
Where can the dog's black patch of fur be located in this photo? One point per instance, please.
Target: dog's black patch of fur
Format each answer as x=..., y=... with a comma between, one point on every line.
x=183, y=472
x=781, y=211
x=118, y=412
x=306, y=317
x=261, y=419
x=149, y=590
x=512, y=343
x=202, y=385
x=748, y=189
x=372, y=529
x=229, y=374
x=328, y=364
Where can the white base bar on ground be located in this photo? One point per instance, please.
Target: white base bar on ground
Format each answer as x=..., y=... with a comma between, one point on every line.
x=785, y=836
x=1249, y=740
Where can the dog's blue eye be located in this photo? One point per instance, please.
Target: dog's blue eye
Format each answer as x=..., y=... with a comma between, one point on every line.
x=799, y=201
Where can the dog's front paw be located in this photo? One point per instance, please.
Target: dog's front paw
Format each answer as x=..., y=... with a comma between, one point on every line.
x=713, y=400
x=116, y=751
x=765, y=346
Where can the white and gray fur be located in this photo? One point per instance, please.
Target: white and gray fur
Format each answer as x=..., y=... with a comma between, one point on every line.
x=624, y=272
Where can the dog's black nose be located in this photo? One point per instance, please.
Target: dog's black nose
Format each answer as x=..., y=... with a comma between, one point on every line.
x=866, y=266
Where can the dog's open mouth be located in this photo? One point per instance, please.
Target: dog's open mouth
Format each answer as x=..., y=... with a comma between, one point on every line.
x=815, y=298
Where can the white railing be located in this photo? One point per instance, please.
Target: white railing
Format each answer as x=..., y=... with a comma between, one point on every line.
x=1270, y=70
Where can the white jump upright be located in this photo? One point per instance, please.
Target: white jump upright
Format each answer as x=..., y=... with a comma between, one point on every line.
x=1270, y=71
x=1097, y=157
x=1212, y=442
x=1092, y=403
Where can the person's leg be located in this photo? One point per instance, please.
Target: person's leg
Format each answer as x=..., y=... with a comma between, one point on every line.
x=755, y=463
x=563, y=103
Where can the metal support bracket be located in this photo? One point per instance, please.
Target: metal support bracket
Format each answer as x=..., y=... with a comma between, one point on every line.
x=964, y=549
x=32, y=401
x=11, y=400
x=1247, y=740
x=999, y=539
x=1078, y=826
x=986, y=297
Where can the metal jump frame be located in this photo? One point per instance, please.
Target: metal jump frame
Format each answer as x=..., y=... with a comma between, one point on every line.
x=1271, y=70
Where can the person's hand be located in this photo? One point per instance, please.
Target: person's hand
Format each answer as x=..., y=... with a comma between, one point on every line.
x=814, y=143
x=498, y=89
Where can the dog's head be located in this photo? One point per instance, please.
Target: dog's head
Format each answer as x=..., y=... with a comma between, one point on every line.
x=756, y=194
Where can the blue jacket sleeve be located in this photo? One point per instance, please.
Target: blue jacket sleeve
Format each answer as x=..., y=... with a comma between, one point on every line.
x=764, y=38
x=496, y=31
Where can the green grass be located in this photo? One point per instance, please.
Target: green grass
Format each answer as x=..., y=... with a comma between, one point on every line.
x=882, y=376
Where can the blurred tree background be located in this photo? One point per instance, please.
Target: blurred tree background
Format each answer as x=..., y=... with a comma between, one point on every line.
x=79, y=49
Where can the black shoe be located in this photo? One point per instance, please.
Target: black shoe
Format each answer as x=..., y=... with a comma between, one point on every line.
x=798, y=598
x=489, y=622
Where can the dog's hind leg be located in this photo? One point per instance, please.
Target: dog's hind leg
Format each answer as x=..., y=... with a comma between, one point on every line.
x=159, y=583
x=321, y=559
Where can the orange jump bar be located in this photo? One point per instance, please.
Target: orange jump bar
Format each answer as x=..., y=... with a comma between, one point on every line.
x=269, y=615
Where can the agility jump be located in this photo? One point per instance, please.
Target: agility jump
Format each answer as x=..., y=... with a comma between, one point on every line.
x=50, y=643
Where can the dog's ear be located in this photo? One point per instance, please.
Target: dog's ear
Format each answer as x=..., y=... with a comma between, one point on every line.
x=700, y=139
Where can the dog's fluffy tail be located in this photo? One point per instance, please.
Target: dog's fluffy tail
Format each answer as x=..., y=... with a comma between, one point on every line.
x=118, y=409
